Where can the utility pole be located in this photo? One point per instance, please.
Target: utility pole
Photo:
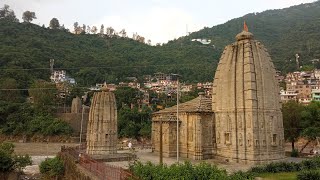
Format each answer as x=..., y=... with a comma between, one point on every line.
x=81, y=123
x=161, y=151
x=177, y=118
x=51, y=65
x=297, y=61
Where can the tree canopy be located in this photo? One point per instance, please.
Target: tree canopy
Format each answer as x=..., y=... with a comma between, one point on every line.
x=28, y=16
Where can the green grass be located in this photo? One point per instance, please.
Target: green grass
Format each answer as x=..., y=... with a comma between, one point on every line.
x=279, y=176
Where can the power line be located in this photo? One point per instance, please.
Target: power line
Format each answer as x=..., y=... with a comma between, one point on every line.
x=26, y=89
x=103, y=67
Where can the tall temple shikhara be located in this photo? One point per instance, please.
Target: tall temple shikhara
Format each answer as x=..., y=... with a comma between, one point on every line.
x=102, y=126
x=246, y=103
x=244, y=121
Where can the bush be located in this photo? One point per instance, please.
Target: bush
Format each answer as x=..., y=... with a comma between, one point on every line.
x=240, y=175
x=309, y=164
x=275, y=167
x=294, y=153
x=309, y=175
x=258, y=169
x=178, y=171
x=52, y=167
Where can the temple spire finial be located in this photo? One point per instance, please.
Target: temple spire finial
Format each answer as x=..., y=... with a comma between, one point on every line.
x=245, y=27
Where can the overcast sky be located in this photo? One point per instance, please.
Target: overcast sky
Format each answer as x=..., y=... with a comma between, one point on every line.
x=158, y=20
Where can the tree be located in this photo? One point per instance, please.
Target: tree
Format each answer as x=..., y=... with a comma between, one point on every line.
x=10, y=95
x=43, y=94
x=126, y=96
x=123, y=33
x=311, y=123
x=28, y=16
x=110, y=31
x=88, y=29
x=94, y=29
x=292, y=121
x=134, y=123
x=76, y=28
x=8, y=14
x=10, y=161
x=84, y=28
x=140, y=38
x=102, y=29
x=54, y=23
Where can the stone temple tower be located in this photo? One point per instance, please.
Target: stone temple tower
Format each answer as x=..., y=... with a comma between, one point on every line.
x=102, y=126
x=246, y=103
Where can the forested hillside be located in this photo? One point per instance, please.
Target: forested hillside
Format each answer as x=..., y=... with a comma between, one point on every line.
x=25, y=49
x=92, y=58
x=285, y=32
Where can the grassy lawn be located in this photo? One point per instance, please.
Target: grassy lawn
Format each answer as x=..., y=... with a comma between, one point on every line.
x=279, y=176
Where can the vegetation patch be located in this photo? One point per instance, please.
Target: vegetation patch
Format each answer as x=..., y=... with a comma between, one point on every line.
x=185, y=170
x=52, y=168
x=279, y=176
x=9, y=161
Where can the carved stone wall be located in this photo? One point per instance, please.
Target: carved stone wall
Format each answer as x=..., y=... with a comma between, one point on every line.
x=195, y=135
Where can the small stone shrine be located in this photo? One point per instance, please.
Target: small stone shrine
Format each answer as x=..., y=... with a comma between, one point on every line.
x=196, y=129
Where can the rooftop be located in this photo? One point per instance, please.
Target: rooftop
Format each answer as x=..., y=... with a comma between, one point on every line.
x=199, y=104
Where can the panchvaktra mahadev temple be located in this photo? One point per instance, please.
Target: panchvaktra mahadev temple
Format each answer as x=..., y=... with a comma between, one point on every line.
x=241, y=122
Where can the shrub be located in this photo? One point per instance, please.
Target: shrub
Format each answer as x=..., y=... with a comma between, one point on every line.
x=258, y=169
x=309, y=175
x=240, y=175
x=178, y=171
x=52, y=167
x=309, y=164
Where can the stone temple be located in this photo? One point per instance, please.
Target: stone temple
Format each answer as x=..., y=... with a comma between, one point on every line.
x=246, y=103
x=245, y=124
x=196, y=129
x=102, y=126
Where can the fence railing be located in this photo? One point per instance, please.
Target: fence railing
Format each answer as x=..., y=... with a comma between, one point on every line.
x=99, y=169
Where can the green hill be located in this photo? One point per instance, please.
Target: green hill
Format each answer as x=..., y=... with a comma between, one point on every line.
x=25, y=49
x=284, y=32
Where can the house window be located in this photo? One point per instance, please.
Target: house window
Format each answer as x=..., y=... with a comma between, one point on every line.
x=227, y=138
x=274, y=139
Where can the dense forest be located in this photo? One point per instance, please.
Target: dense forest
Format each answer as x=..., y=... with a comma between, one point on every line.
x=25, y=48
